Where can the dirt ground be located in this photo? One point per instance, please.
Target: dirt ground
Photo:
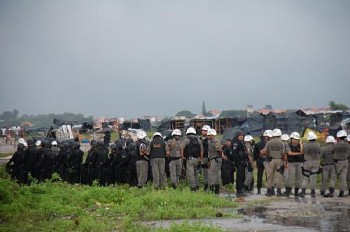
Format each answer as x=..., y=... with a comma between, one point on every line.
x=261, y=213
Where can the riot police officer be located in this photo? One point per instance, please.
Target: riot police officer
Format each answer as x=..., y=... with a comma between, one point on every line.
x=239, y=152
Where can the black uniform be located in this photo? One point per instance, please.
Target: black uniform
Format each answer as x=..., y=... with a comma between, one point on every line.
x=240, y=155
x=16, y=166
x=228, y=166
x=259, y=162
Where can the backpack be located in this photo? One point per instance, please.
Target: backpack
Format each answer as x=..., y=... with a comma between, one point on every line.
x=193, y=148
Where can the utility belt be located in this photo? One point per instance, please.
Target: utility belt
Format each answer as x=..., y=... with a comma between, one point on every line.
x=191, y=157
x=174, y=158
x=328, y=164
x=337, y=160
x=215, y=158
x=270, y=158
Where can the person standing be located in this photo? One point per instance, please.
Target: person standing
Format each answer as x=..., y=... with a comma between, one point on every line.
x=158, y=150
x=204, y=163
x=312, y=154
x=142, y=163
x=259, y=159
x=274, y=150
x=215, y=162
x=175, y=155
x=239, y=152
x=328, y=169
x=249, y=147
x=295, y=161
x=228, y=164
x=341, y=155
x=193, y=153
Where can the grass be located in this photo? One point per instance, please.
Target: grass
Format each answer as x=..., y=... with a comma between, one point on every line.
x=58, y=206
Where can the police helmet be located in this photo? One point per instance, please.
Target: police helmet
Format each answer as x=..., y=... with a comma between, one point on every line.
x=206, y=128
x=212, y=132
x=113, y=146
x=176, y=132
x=330, y=139
x=311, y=136
x=190, y=130
x=341, y=133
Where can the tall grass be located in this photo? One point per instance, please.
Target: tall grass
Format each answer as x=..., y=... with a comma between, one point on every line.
x=58, y=206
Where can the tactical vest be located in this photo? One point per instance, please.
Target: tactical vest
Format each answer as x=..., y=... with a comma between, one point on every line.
x=140, y=143
x=295, y=158
x=157, y=149
x=312, y=151
x=193, y=148
x=341, y=150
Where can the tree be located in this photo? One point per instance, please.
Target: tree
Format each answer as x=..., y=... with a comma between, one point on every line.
x=339, y=106
x=268, y=107
x=185, y=113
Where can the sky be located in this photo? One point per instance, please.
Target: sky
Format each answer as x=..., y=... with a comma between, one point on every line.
x=122, y=58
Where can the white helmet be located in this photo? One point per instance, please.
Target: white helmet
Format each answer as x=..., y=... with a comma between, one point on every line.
x=212, y=132
x=38, y=143
x=190, y=130
x=311, y=136
x=285, y=137
x=176, y=132
x=54, y=143
x=341, y=133
x=276, y=132
x=21, y=140
x=348, y=138
x=330, y=139
x=295, y=135
x=206, y=128
x=248, y=138
x=141, y=134
x=157, y=134
x=268, y=133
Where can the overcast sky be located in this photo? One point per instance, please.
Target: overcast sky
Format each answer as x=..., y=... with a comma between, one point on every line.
x=134, y=58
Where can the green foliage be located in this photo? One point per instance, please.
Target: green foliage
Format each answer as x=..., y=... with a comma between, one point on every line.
x=57, y=206
x=185, y=113
x=189, y=227
x=337, y=106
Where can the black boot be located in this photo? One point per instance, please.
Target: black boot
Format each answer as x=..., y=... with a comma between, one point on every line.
x=296, y=192
x=287, y=192
x=279, y=193
x=211, y=188
x=331, y=193
x=205, y=187
x=217, y=189
x=322, y=192
x=269, y=192
x=341, y=194
x=302, y=194
x=313, y=193
x=349, y=193
x=259, y=191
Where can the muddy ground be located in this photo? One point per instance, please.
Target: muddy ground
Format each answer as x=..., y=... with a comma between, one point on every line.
x=261, y=213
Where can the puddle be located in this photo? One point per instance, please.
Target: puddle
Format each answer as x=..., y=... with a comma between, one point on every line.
x=322, y=216
x=281, y=214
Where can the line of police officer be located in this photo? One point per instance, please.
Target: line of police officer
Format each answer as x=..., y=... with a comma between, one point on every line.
x=136, y=163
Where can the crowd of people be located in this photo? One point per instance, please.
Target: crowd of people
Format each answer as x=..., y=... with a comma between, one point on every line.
x=285, y=160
